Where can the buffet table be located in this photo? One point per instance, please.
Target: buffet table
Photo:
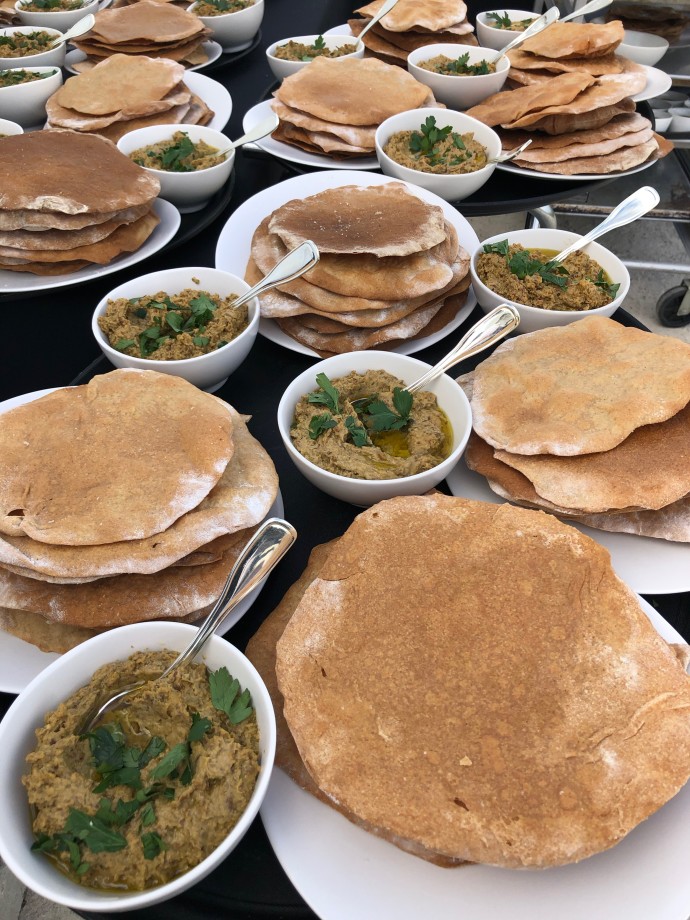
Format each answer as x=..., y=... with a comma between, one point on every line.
x=48, y=342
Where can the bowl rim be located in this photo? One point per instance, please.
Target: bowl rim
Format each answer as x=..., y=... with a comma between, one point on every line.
x=504, y=63
x=184, y=176
x=347, y=40
x=540, y=311
x=658, y=41
x=180, y=363
x=509, y=10
x=19, y=8
x=252, y=6
x=452, y=457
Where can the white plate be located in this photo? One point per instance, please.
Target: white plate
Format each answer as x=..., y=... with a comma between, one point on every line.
x=293, y=154
x=583, y=177
x=343, y=872
x=212, y=49
x=233, y=249
x=17, y=282
x=649, y=566
x=20, y=661
x=658, y=83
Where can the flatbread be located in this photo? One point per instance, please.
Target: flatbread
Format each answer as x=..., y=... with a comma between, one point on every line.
x=565, y=122
x=553, y=392
x=605, y=91
x=575, y=721
x=625, y=157
x=579, y=150
x=144, y=20
x=508, y=107
x=410, y=14
x=563, y=40
x=608, y=63
x=80, y=465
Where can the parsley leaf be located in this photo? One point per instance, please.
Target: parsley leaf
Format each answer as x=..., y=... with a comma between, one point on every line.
x=607, y=287
x=153, y=845
x=172, y=760
x=199, y=728
x=382, y=418
x=173, y=156
x=329, y=395
x=224, y=690
x=358, y=432
x=501, y=247
x=320, y=423
x=93, y=833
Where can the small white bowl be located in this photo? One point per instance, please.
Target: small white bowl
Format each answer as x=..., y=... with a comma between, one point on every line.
x=449, y=187
x=490, y=37
x=458, y=92
x=188, y=191
x=642, y=47
x=282, y=69
x=55, y=57
x=59, y=681
x=26, y=102
x=662, y=120
x=366, y=492
x=532, y=318
x=9, y=128
x=680, y=119
x=57, y=19
x=208, y=372
x=234, y=31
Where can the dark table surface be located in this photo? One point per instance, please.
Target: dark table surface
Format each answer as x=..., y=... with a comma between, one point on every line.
x=47, y=342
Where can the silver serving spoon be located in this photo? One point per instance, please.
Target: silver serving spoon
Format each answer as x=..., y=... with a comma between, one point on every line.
x=261, y=554
x=291, y=266
x=487, y=331
x=79, y=28
x=537, y=26
x=267, y=126
x=505, y=157
x=592, y=7
x=386, y=8
x=632, y=208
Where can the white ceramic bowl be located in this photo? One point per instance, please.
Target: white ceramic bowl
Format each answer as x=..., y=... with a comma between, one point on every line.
x=55, y=57
x=497, y=39
x=642, y=47
x=680, y=119
x=282, y=69
x=458, y=92
x=9, y=128
x=57, y=19
x=364, y=492
x=59, y=681
x=234, y=31
x=662, y=120
x=449, y=187
x=532, y=318
x=188, y=191
x=26, y=102
x=208, y=372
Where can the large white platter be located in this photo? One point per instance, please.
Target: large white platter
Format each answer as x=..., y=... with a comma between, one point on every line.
x=260, y=112
x=234, y=243
x=344, y=873
x=20, y=661
x=212, y=49
x=581, y=177
x=658, y=83
x=649, y=566
x=18, y=282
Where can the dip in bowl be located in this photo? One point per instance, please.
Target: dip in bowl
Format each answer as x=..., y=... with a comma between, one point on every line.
x=492, y=26
x=354, y=447
x=234, y=23
x=58, y=683
x=25, y=91
x=28, y=46
x=433, y=152
x=153, y=331
x=284, y=56
x=537, y=277
x=56, y=14
x=451, y=85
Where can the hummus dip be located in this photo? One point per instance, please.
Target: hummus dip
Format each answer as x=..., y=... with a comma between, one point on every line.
x=457, y=67
x=52, y=6
x=178, y=154
x=24, y=44
x=298, y=51
x=16, y=77
x=364, y=432
x=109, y=809
x=436, y=150
x=220, y=7
x=498, y=21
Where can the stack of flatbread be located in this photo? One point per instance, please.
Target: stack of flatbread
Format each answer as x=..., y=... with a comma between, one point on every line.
x=578, y=124
x=147, y=27
x=590, y=421
x=124, y=93
x=571, y=47
x=96, y=531
x=334, y=106
x=75, y=201
x=391, y=268
x=668, y=21
x=466, y=710
x=411, y=24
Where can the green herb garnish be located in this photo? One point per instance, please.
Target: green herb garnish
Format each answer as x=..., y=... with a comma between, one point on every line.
x=329, y=396
x=153, y=845
x=610, y=289
x=173, y=156
x=384, y=419
x=357, y=432
x=226, y=696
x=320, y=423
x=503, y=22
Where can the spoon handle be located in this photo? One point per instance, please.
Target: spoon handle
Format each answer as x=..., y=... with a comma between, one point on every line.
x=511, y=155
x=490, y=329
x=633, y=207
x=592, y=7
x=537, y=26
x=294, y=264
x=264, y=127
x=263, y=552
x=385, y=9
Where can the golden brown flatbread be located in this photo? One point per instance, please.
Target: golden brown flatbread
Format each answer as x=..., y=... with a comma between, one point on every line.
x=410, y=14
x=564, y=40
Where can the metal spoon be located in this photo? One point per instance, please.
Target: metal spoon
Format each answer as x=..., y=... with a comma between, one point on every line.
x=386, y=8
x=505, y=157
x=537, y=26
x=632, y=208
x=592, y=7
x=261, y=554
x=79, y=28
x=291, y=266
x=255, y=134
x=488, y=330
